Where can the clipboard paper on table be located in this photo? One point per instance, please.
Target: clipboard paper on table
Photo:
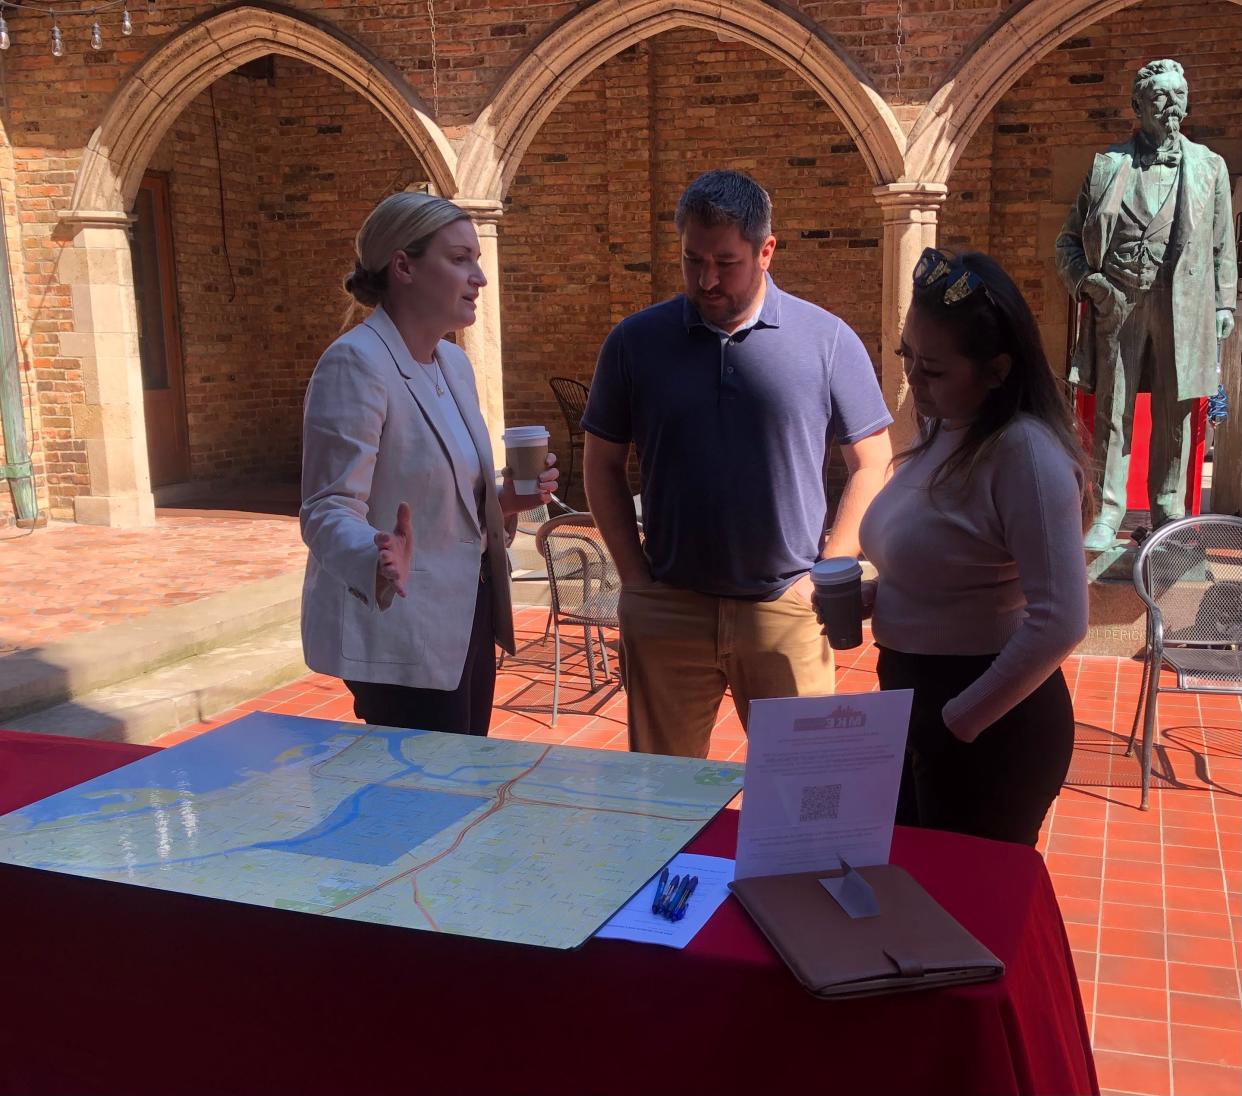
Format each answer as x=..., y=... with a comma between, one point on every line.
x=912, y=944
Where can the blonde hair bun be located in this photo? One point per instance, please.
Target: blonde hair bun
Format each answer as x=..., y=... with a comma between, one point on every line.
x=362, y=286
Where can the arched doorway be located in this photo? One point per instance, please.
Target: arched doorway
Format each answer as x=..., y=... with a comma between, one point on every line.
x=179, y=82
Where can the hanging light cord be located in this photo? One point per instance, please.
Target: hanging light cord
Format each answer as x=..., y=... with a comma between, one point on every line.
x=435, y=63
x=86, y=9
x=57, y=13
x=900, y=58
x=224, y=232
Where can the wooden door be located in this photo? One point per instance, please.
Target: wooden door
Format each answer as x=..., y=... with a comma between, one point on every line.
x=159, y=333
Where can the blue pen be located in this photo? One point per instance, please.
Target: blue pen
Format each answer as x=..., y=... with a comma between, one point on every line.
x=671, y=904
x=664, y=898
x=659, y=891
x=680, y=910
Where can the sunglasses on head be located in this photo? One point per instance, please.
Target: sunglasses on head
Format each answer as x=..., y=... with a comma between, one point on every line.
x=960, y=284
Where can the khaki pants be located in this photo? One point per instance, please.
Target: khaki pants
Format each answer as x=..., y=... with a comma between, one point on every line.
x=681, y=650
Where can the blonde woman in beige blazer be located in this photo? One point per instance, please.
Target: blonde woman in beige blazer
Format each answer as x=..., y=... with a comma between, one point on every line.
x=407, y=586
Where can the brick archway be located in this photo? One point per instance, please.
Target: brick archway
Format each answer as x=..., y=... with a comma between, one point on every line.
x=159, y=90
x=996, y=61
x=579, y=44
x=96, y=265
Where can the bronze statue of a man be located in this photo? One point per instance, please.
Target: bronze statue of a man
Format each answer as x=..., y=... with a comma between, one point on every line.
x=1149, y=245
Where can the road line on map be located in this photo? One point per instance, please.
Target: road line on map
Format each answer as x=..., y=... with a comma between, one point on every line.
x=501, y=794
x=609, y=810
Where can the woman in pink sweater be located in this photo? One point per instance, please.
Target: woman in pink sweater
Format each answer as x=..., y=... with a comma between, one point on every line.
x=977, y=539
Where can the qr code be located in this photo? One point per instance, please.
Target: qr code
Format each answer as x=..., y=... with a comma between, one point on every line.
x=819, y=802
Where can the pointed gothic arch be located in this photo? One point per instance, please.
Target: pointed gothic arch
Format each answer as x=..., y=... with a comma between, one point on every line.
x=579, y=44
x=97, y=264
x=165, y=83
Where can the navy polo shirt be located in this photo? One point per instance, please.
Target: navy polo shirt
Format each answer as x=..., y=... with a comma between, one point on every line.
x=733, y=435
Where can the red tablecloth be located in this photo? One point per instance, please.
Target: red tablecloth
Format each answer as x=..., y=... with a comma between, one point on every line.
x=111, y=988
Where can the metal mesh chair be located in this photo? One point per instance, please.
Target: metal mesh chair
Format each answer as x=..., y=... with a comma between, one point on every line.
x=571, y=397
x=1189, y=575
x=526, y=563
x=585, y=588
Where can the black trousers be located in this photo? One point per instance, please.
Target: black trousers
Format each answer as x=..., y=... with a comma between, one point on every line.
x=1002, y=784
x=464, y=710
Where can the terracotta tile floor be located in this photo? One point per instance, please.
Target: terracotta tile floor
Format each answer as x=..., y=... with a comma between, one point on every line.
x=1151, y=900
x=69, y=578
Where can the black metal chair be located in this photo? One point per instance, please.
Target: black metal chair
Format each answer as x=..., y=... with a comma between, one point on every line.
x=571, y=397
x=585, y=589
x=1189, y=575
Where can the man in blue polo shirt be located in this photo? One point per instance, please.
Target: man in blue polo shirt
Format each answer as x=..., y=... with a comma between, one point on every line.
x=732, y=394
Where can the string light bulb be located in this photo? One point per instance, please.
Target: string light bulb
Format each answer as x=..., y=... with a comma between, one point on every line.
x=58, y=45
x=4, y=33
x=127, y=24
x=96, y=36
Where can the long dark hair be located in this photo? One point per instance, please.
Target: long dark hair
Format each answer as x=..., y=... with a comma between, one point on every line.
x=991, y=321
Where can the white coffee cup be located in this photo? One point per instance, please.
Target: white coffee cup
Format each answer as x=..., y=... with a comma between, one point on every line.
x=526, y=451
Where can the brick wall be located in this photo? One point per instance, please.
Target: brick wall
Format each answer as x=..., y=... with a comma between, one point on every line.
x=334, y=158
x=222, y=283
x=935, y=35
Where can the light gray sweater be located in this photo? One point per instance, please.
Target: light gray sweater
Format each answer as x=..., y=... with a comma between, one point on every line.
x=996, y=566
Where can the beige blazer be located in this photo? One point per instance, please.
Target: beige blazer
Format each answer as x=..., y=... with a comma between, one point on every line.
x=375, y=435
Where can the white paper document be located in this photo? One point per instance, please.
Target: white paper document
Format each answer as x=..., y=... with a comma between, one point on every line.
x=822, y=774
x=635, y=921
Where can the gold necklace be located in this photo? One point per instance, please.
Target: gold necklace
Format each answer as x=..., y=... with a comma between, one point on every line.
x=434, y=375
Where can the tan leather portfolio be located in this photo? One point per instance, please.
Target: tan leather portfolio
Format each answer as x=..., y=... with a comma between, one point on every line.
x=913, y=943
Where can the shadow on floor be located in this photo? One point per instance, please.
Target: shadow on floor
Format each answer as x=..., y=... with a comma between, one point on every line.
x=1180, y=758
x=244, y=501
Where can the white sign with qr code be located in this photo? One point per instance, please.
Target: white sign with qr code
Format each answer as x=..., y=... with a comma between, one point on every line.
x=822, y=774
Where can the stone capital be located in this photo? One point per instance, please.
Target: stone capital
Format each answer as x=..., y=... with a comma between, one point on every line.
x=902, y=201
x=78, y=219
x=485, y=212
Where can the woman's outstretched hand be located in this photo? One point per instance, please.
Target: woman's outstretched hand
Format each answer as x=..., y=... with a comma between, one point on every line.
x=396, y=551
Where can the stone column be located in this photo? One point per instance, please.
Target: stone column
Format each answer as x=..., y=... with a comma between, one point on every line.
x=99, y=272
x=910, y=211
x=482, y=339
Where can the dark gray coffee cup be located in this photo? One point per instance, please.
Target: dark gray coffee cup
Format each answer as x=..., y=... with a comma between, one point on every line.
x=838, y=584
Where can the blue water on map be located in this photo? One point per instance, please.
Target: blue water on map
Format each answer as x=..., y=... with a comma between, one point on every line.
x=259, y=743
x=378, y=824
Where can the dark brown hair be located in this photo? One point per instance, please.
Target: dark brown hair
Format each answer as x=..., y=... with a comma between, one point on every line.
x=983, y=326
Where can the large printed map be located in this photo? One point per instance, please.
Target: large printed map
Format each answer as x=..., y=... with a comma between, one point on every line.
x=480, y=837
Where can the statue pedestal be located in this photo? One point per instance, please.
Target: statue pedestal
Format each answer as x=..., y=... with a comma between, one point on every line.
x=1117, y=621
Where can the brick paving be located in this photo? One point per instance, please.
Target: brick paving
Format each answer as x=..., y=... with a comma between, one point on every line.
x=66, y=578
x=1150, y=899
